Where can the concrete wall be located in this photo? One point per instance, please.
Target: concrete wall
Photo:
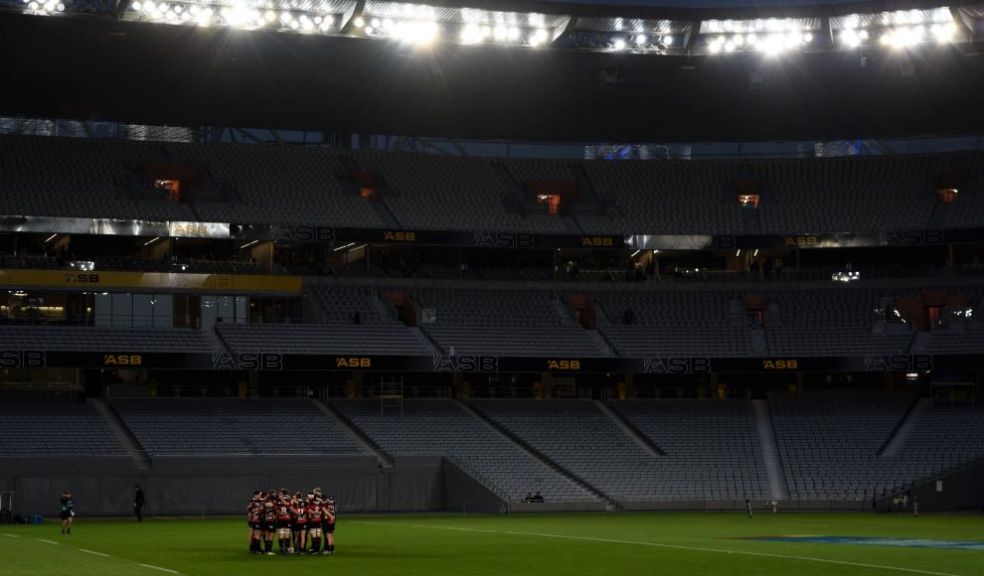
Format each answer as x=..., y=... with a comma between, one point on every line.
x=192, y=486
x=960, y=490
x=462, y=493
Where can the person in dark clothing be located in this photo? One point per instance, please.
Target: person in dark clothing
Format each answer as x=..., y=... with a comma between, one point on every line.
x=139, y=500
x=67, y=507
x=748, y=505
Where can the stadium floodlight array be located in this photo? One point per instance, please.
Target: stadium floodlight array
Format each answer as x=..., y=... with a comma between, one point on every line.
x=635, y=35
x=303, y=16
x=896, y=30
x=770, y=36
x=563, y=26
x=422, y=24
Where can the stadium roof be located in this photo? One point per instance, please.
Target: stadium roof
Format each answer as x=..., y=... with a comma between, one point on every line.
x=536, y=70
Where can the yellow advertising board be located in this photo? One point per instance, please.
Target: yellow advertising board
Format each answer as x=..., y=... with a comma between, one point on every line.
x=116, y=281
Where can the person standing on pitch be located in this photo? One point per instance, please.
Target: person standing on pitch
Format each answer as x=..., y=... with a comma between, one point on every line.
x=748, y=505
x=139, y=500
x=67, y=512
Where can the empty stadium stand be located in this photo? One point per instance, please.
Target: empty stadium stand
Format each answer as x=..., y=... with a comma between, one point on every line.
x=197, y=427
x=945, y=437
x=335, y=332
x=674, y=323
x=829, y=444
x=833, y=322
x=442, y=427
x=247, y=183
x=581, y=438
x=712, y=450
x=65, y=338
x=505, y=322
x=45, y=429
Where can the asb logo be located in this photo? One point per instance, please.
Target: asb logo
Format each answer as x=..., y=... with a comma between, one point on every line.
x=914, y=237
x=189, y=230
x=675, y=365
x=319, y=234
x=563, y=364
x=22, y=359
x=247, y=361
x=400, y=236
x=899, y=363
x=801, y=241
x=353, y=362
x=81, y=278
x=782, y=364
x=122, y=360
x=503, y=240
x=598, y=241
x=445, y=363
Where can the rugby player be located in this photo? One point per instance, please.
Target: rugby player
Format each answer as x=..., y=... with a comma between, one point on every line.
x=255, y=521
x=283, y=522
x=269, y=522
x=329, y=530
x=67, y=512
x=299, y=512
x=314, y=509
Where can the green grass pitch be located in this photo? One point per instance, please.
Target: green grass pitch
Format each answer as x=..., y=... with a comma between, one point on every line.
x=564, y=544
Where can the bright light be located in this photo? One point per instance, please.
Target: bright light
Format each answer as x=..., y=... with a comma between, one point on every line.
x=618, y=44
x=416, y=32
x=850, y=38
x=667, y=40
x=538, y=38
x=471, y=34
x=641, y=39
x=359, y=22
x=944, y=32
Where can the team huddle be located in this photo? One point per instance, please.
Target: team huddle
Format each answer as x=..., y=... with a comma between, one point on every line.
x=299, y=522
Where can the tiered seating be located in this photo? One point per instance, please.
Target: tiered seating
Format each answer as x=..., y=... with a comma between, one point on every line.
x=45, y=176
x=578, y=436
x=441, y=192
x=968, y=209
x=943, y=438
x=180, y=427
x=283, y=184
x=671, y=323
x=502, y=322
x=337, y=332
x=848, y=194
x=320, y=339
x=441, y=427
x=713, y=451
x=952, y=341
x=277, y=184
x=831, y=323
x=87, y=339
x=55, y=429
x=829, y=441
x=665, y=197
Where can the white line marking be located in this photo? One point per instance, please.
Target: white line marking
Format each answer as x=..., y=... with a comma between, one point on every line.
x=11, y=535
x=47, y=541
x=93, y=552
x=152, y=567
x=671, y=546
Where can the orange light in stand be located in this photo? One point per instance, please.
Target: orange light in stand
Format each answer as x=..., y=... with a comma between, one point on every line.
x=947, y=195
x=748, y=200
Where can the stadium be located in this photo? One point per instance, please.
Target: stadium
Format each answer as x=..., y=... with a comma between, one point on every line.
x=507, y=287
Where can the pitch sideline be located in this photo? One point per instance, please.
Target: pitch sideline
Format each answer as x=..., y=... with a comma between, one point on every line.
x=661, y=545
